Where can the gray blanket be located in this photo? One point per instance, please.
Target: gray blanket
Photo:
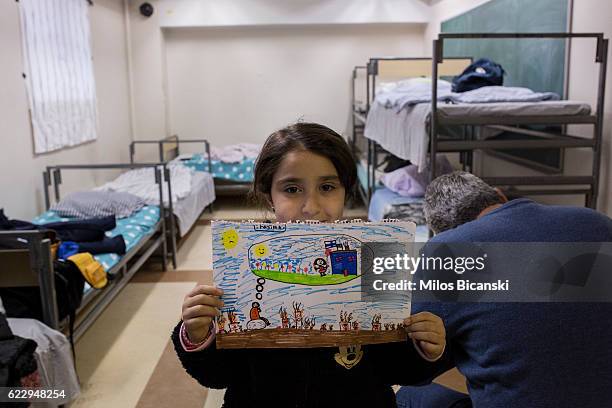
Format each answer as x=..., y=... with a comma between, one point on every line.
x=411, y=93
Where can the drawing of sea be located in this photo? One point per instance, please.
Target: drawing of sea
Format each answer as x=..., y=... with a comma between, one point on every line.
x=300, y=284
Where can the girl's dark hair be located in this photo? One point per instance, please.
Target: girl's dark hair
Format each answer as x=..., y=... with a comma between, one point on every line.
x=312, y=137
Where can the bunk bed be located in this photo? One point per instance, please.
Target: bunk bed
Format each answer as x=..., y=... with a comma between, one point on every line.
x=463, y=127
x=32, y=265
x=514, y=116
x=369, y=153
x=230, y=179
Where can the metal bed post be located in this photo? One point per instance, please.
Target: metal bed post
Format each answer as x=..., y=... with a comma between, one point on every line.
x=353, y=107
x=369, y=155
x=162, y=217
x=132, y=152
x=161, y=152
x=172, y=227
x=42, y=262
x=207, y=146
x=433, y=129
x=57, y=180
x=46, y=184
x=372, y=168
x=602, y=58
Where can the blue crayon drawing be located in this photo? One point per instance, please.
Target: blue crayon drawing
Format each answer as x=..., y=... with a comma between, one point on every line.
x=300, y=276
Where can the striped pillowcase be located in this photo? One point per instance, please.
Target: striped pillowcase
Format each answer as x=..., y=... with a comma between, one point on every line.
x=97, y=204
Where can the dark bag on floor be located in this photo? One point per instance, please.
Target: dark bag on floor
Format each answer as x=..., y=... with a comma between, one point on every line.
x=483, y=72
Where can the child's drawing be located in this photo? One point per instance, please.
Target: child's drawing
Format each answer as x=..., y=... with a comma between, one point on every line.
x=299, y=284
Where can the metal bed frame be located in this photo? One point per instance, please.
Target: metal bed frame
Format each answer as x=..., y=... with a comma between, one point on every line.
x=372, y=148
x=563, y=184
x=551, y=140
x=166, y=154
x=40, y=266
x=222, y=187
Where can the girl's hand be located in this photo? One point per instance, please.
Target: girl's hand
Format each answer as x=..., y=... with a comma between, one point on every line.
x=200, y=307
x=427, y=330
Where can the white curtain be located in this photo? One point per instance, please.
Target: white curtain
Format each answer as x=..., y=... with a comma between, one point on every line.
x=59, y=72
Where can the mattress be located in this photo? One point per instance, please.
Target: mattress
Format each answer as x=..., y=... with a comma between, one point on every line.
x=405, y=134
x=188, y=209
x=516, y=109
x=133, y=228
x=240, y=171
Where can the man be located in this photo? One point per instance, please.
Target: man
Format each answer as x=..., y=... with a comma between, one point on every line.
x=516, y=354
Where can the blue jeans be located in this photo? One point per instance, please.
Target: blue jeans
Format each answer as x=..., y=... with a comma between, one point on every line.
x=431, y=396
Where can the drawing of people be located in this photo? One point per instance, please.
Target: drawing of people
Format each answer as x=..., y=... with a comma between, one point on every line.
x=255, y=310
x=320, y=265
x=284, y=318
x=221, y=322
x=234, y=323
x=298, y=315
x=376, y=326
x=257, y=321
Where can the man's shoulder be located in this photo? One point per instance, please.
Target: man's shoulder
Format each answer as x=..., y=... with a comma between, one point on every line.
x=523, y=219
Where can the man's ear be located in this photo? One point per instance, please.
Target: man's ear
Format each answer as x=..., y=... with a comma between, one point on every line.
x=501, y=195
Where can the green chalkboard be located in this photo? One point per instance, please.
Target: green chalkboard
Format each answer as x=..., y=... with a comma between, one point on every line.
x=538, y=64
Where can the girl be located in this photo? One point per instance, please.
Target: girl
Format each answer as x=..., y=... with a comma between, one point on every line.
x=304, y=172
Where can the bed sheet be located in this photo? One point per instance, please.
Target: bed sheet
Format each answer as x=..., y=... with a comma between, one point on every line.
x=240, y=171
x=189, y=208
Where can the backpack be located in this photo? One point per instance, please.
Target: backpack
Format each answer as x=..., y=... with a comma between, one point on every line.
x=482, y=72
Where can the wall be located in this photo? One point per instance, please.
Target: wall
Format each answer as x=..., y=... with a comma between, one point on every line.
x=239, y=84
x=587, y=16
x=592, y=16
x=214, y=13
x=20, y=170
x=252, y=66
x=443, y=10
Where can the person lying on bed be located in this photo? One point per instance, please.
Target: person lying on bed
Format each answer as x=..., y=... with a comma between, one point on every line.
x=304, y=172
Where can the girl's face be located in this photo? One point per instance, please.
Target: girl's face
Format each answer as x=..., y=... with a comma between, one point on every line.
x=306, y=186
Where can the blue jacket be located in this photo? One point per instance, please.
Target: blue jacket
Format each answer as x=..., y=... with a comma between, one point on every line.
x=530, y=354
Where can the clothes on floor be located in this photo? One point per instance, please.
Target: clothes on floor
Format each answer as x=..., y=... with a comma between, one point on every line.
x=18, y=367
x=53, y=355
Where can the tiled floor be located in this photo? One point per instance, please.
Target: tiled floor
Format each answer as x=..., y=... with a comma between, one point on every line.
x=126, y=358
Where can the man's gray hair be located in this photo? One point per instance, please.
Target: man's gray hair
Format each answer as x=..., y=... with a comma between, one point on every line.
x=456, y=198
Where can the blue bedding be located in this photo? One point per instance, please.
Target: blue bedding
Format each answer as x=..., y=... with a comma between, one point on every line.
x=133, y=229
x=241, y=172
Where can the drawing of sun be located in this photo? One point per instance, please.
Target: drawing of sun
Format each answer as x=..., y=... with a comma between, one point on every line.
x=229, y=239
x=260, y=250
